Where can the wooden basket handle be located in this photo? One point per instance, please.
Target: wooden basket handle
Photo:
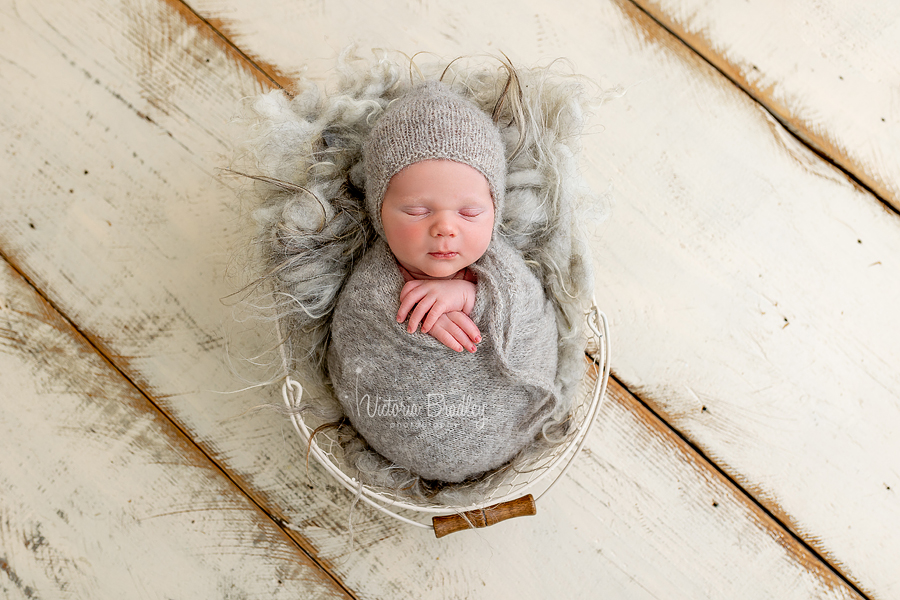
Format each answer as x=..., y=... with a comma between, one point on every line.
x=520, y=507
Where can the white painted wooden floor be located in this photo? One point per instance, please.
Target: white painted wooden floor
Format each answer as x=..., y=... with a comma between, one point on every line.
x=750, y=269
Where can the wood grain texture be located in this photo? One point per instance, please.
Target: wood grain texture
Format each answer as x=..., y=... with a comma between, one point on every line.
x=102, y=497
x=489, y=515
x=754, y=288
x=828, y=69
x=639, y=516
x=751, y=284
x=113, y=210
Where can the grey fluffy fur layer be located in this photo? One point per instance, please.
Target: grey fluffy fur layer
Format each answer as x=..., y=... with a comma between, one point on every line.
x=311, y=238
x=446, y=416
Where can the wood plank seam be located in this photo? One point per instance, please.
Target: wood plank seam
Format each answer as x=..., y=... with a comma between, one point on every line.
x=737, y=486
x=269, y=72
x=279, y=522
x=760, y=102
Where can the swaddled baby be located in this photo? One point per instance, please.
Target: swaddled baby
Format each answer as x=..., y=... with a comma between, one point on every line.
x=474, y=385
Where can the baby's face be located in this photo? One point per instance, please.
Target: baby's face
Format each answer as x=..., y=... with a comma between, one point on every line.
x=438, y=216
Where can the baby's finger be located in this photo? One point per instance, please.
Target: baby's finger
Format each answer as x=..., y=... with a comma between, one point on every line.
x=467, y=326
x=440, y=333
x=408, y=299
x=461, y=337
x=437, y=310
x=410, y=286
x=448, y=325
x=465, y=322
x=419, y=313
x=405, y=306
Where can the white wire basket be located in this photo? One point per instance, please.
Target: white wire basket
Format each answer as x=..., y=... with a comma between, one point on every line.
x=512, y=492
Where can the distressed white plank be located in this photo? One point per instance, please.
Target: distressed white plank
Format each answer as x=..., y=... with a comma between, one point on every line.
x=743, y=274
x=829, y=69
x=102, y=497
x=749, y=277
x=137, y=262
x=639, y=516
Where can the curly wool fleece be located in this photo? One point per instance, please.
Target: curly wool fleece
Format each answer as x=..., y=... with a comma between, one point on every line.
x=311, y=238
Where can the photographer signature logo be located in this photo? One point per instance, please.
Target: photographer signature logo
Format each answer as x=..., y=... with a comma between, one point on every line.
x=435, y=409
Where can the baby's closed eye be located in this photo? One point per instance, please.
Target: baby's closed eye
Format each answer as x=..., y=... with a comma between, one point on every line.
x=416, y=211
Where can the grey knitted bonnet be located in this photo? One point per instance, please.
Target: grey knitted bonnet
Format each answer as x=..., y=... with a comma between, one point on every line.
x=432, y=122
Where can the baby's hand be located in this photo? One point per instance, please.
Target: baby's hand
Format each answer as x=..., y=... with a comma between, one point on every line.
x=435, y=298
x=456, y=331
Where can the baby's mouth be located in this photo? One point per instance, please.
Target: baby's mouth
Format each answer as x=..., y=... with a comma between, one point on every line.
x=443, y=254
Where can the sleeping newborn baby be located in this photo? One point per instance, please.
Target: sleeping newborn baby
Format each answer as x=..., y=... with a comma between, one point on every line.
x=474, y=385
x=438, y=216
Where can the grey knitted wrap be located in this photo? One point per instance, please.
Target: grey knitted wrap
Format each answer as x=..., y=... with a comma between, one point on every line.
x=443, y=415
x=432, y=122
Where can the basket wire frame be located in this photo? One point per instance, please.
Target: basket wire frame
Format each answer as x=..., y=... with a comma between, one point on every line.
x=505, y=483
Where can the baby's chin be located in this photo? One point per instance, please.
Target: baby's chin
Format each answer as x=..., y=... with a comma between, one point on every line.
x=441, y=273
x=438, y=271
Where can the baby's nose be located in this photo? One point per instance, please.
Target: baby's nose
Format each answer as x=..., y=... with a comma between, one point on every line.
x=443, y=226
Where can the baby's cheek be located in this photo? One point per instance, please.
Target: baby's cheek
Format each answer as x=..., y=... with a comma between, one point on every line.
x=481, y=244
